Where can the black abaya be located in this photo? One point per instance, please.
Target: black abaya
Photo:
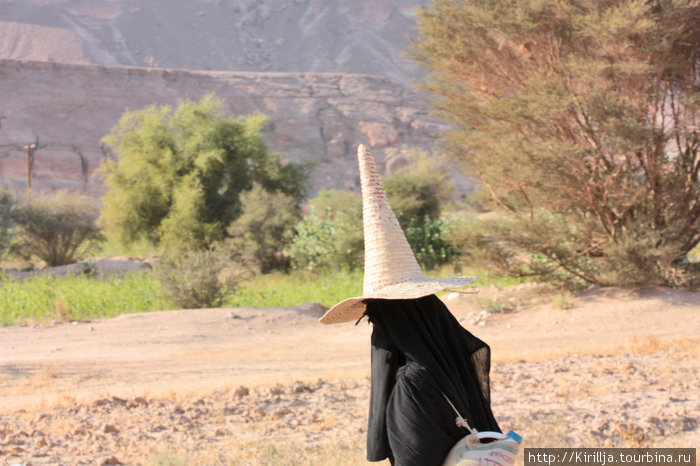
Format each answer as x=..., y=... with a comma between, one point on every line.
x=419, y=352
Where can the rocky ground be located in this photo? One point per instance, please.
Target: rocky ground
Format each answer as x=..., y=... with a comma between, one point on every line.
x=633, y=399
x=642, y=393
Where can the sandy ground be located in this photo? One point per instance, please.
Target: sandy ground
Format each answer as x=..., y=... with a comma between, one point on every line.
x=619, y=368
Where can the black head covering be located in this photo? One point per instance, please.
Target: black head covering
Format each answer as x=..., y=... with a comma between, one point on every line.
x=425, y=334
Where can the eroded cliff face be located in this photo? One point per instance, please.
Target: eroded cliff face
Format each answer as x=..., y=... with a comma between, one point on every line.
x=312, y=117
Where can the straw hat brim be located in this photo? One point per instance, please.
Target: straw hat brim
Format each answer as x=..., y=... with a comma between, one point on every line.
x=353, y=308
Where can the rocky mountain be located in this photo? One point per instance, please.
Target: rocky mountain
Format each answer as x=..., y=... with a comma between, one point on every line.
x=330, y=74
x=312, y=117
x=358, y=36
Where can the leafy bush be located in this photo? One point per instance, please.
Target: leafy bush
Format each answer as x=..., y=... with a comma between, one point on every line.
x=332, y=204
x=198, y=278
x=6, y=222
x=429, y=244
x=344, y=210
x=314, y=246
x=182, y=172
x=56, y=228
x=265, y=228
x=417, y=192
x=478, y=240
x=331, y=236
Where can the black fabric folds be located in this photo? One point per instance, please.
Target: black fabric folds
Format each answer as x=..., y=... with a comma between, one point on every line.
x=420, y=351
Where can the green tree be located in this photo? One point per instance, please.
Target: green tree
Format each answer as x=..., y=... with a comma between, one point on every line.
x=56, y=228
x=265, y=228
x=344, y=210
x=581, y=121
x=180, y=173
x=314, y=246
x=429, y=242
x=331, y=237
x=417, y=192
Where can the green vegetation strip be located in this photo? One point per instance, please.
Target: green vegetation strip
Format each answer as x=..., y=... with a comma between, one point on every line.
x=278, y=289
x=42, y=299
x=82, y=297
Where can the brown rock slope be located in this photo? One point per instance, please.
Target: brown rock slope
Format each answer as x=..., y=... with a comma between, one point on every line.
x=314, y=117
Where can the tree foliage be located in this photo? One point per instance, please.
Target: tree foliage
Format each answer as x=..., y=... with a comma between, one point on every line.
x=429, y=242
x=180, y=173
x=581, y=120
x=330, y=237
x=56, y=228
x=265, y=228
x=417, y=192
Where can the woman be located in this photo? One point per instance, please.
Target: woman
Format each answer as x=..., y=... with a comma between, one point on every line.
x=420, y=353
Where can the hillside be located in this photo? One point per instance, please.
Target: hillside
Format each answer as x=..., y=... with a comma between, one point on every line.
x=314, y=117
x=329, y=74
x=362, y=36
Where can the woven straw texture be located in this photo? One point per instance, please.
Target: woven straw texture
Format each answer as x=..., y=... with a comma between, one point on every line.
x=391, y=268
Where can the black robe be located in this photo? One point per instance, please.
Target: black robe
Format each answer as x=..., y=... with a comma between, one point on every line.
x=419, y=352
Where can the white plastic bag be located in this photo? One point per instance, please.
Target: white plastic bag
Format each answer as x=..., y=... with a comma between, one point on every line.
x=470, y=450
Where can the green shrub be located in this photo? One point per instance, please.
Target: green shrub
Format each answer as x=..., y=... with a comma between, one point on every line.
x=418, y=191
x=337, y=205
x=314, y=246
x=265, y=228
x=427, y=240
x=56, y=228
x=344, y=210
x=331, y=237
x=198, y=279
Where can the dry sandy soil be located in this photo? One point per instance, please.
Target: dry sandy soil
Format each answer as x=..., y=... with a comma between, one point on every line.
x=237, y=386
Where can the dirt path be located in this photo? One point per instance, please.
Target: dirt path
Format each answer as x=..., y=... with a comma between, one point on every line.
x=144, y=375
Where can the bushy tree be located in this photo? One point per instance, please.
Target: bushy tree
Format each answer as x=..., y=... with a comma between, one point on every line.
x=581, y=120
x=331, y=236
x=56, y=228
x=344, y=210
x=429, y=242
x=265, y=228
x=417, y=192
x=314, y=248
x=180, y=173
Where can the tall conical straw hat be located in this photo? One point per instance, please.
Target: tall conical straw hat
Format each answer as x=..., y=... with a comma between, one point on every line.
x=391, y=268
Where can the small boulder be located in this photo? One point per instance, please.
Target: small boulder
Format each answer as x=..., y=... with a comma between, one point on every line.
x=110, y=429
